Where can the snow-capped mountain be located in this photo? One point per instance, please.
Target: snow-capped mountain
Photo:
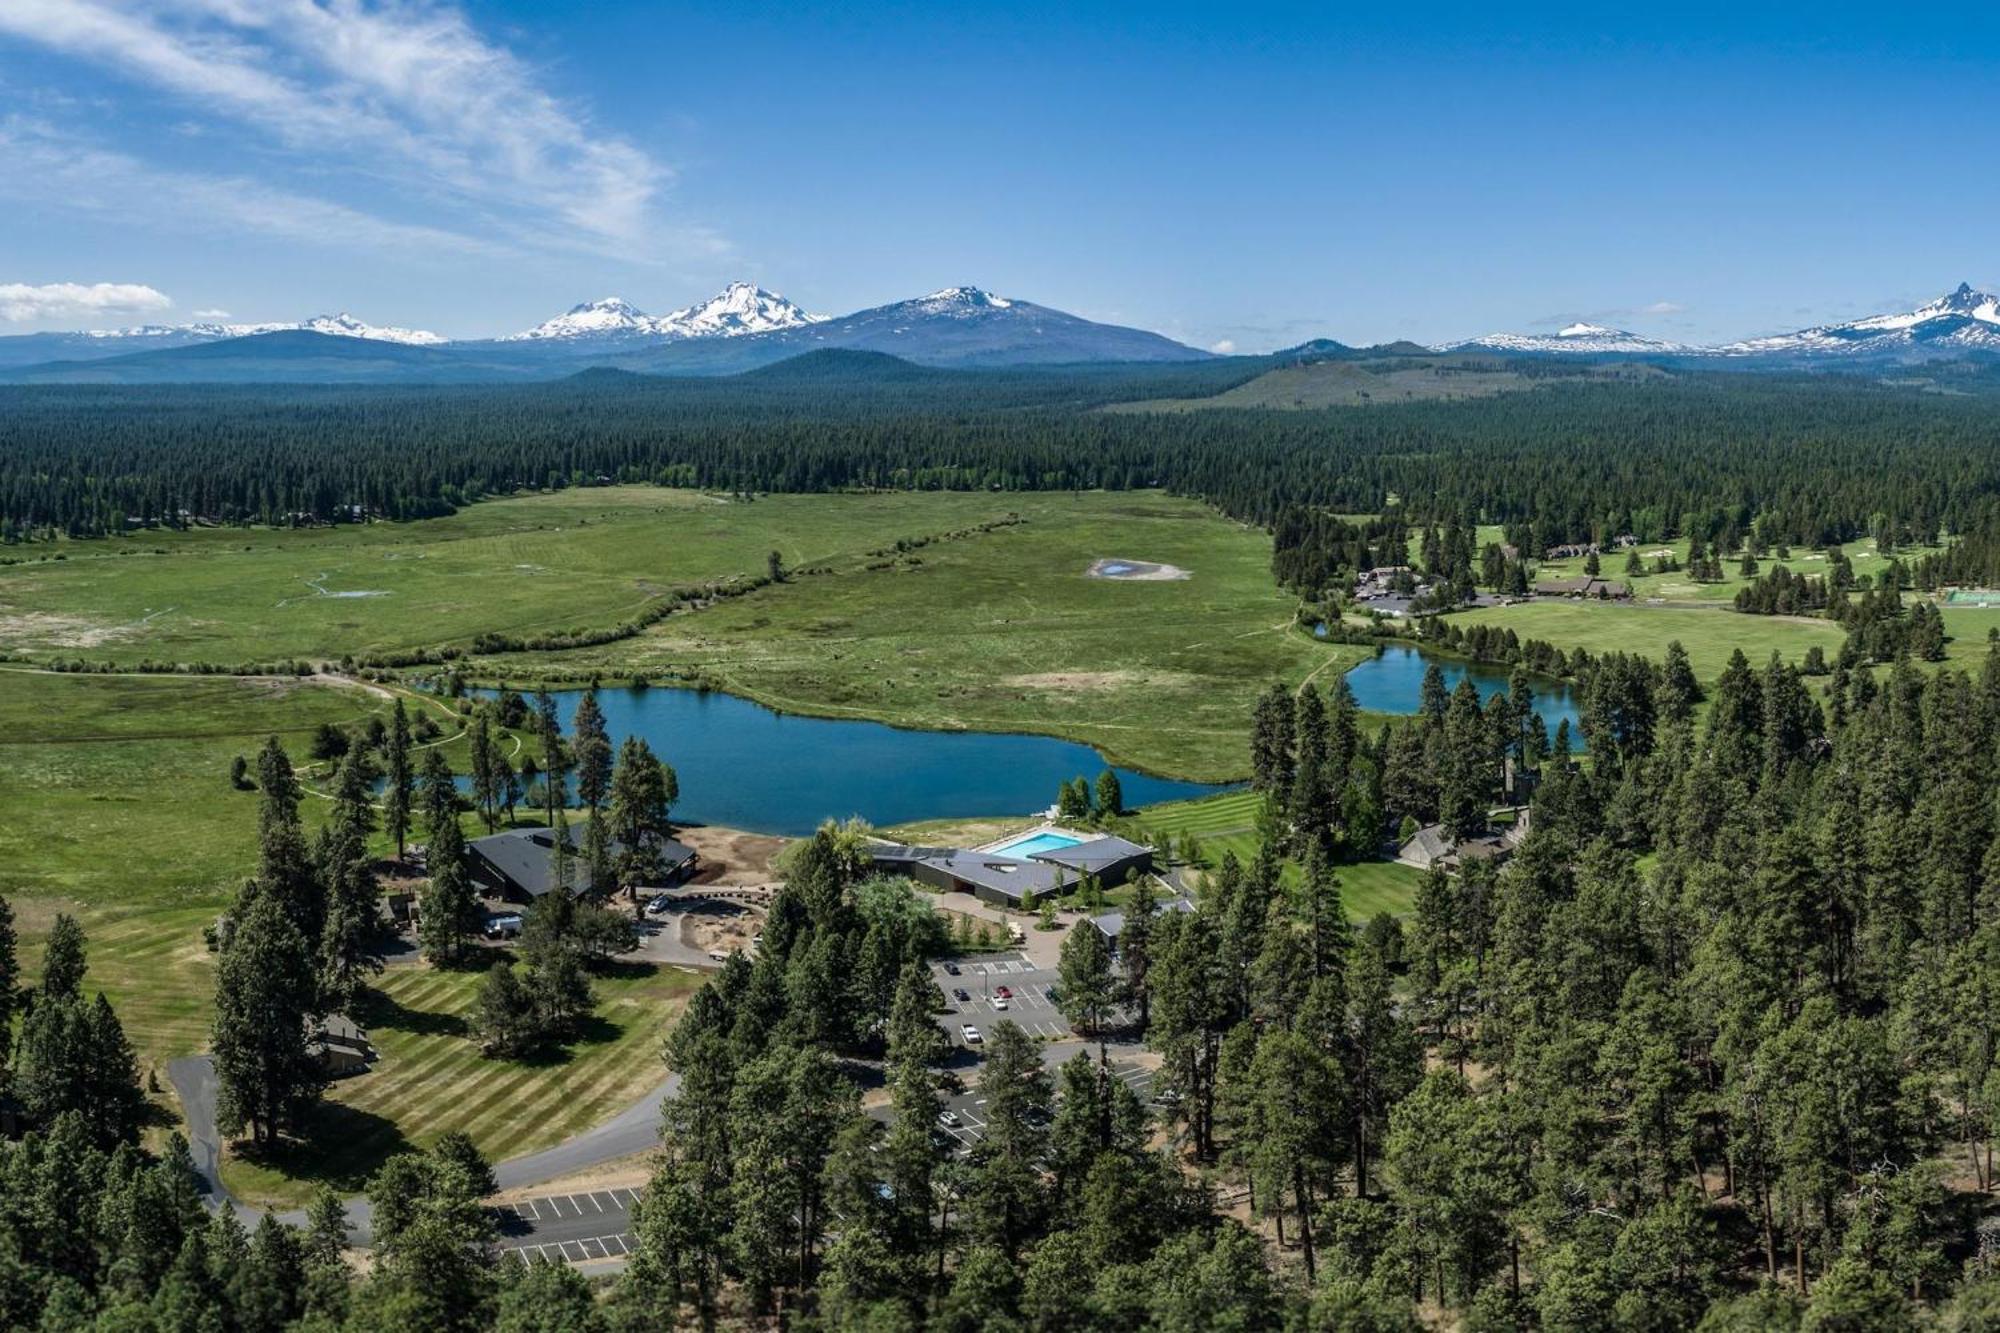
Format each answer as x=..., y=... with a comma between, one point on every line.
x=1964, y=320
x=958, y=326
x=740, y=308
x=1580, y=337
x=342, y=325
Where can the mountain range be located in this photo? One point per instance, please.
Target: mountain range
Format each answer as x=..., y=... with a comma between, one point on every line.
x=744, y=327
x=1962, y=321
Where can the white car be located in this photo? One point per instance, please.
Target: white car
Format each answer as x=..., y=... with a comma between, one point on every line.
x=948, y=1118
x=971, y=1035
x=999, y=1002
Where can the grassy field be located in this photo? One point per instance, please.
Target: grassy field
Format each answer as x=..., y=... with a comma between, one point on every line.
x=1709, y=635
x=124, y=817
x=1004, y=632
x=530, y=564
x=1228, y=823
x=432, y=1079
x=1678, y=587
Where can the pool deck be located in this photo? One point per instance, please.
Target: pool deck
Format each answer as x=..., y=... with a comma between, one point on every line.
x=1043, y=837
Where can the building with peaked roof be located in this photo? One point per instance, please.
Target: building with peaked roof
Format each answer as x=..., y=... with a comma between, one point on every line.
x=1433, y=845
x=519, y=865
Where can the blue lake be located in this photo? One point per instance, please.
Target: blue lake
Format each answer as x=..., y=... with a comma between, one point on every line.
x=743, y=766
x=1392, y=682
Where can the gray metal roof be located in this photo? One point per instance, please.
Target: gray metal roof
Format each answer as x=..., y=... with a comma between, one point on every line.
x=1010, y=876
x=1097, y=854
x=525, y=857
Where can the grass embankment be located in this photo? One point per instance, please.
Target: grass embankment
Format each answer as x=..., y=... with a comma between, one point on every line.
x=1004, y=632
x=432, y=1079
x=123, y=815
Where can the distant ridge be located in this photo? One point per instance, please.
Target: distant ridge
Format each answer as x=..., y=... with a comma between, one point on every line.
x=843, y=363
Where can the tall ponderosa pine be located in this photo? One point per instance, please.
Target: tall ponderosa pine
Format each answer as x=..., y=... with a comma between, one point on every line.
x=486, y=766
x=401, y=786
x=591, y=749
x=266, y=1005
x=643, y=791
x=448, y=917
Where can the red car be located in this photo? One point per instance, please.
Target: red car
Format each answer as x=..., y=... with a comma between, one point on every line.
x=1003, y=992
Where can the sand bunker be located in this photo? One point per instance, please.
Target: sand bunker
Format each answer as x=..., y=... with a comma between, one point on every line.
x=1136, y=571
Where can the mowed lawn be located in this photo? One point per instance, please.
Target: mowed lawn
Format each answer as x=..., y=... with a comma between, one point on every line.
x=1005, y=632
x=1228, y=823
x=432, y=1078
x=530, y=564
x=122, y=815
x=1709, y=636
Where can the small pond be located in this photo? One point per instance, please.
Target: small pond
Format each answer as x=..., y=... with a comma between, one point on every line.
x=744, y=766
x=1392, y=682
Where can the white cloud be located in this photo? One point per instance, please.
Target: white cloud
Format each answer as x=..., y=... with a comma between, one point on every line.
x=24, y=304
x=1663, y=308
x=211, y=314
x=1223, y=347
x=402, y=90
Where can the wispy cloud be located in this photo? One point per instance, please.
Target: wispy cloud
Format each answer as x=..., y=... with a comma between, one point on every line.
x=38, y=162
x=403, y=91
x=1223, y=347
x=21, y=303
x=211, y=313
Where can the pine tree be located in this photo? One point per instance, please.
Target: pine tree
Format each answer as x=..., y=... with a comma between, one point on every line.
x=592, y=751
x=1110, y=796
x=402, y=779
x=265, y=1005
x=63, y=962
x=449, y=908
x=486, y=779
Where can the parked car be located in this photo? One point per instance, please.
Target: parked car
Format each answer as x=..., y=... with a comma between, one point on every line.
x=961, y=994
x=948, y=1118
x=1003, y=992
x=503, y=927
x=951, y=969
x=971, y=1035
x=718, y=955
x=660, y=903
x=999, y=1002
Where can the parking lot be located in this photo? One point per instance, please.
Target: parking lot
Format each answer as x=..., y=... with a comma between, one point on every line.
x=575, y=1228
x=1027, y=1000
x=970, y=1106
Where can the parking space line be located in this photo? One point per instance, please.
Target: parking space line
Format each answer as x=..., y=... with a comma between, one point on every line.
x=594, y=1203
x=624, y=1246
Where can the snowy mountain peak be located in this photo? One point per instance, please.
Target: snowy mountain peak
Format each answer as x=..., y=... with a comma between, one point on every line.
x=1581, y=330
x=1578, y=337
x=610, y=316
x=967, y=298
x=739, y=308
x=344, y=325
x=1959, y=320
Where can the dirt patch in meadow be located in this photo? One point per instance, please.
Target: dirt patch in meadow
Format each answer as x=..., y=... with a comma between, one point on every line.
x=1134, y=571
x=47, y=629
x=1082, y=682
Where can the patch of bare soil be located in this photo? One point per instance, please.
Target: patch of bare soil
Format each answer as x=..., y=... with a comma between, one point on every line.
x=47, y=629
x=719, y=928
x=1084, y=681
x=731, y=856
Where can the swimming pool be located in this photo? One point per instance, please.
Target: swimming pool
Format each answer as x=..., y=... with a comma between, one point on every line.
x=1037, y=843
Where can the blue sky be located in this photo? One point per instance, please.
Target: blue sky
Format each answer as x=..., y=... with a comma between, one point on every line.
x=1245, y=175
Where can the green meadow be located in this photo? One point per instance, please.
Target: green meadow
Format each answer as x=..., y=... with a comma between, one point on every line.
x=1005, y=631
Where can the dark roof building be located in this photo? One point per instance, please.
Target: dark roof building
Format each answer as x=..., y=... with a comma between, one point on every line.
x=520, y=864
x=1108, y=858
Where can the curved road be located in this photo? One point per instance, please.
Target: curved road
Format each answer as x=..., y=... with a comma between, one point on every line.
x=633, y=1130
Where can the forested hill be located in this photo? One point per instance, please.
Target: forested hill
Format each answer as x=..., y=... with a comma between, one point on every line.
x=1821, y=459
